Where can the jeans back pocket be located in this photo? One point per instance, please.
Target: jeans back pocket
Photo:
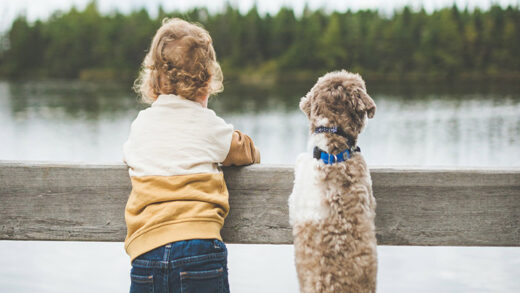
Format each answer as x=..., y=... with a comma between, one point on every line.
x=211, y=281
x=141, y=284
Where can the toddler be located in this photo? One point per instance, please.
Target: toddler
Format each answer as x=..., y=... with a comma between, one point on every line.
x=179, y=198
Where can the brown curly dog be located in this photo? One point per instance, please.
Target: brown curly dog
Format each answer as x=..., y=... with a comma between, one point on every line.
x=332, y=208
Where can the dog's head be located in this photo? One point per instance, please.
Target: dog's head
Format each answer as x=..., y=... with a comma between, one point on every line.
x=338, y=99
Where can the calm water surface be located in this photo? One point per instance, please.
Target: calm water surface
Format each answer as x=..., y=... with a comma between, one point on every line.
x=81, y=122
x=85, y=122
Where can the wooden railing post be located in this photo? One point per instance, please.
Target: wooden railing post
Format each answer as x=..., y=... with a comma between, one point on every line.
x=470, y=207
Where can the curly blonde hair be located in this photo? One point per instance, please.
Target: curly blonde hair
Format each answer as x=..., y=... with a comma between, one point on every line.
x=181, y=61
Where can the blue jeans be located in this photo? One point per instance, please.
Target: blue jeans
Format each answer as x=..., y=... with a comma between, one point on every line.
x=198, y=266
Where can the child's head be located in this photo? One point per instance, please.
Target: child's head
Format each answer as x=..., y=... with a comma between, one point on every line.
x=181, y=61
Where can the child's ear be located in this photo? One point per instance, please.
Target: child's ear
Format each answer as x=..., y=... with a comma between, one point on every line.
x=305, y=106
x=366, y=104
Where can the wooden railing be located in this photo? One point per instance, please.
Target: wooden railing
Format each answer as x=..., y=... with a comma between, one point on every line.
x=477, y=207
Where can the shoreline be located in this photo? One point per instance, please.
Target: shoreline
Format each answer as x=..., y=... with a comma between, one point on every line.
x=262, y=81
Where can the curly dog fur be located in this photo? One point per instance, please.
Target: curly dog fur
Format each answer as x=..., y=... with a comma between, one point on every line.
x=332, y=208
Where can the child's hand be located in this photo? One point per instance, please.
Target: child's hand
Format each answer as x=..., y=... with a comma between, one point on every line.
x=257, y=156
x=242, y=151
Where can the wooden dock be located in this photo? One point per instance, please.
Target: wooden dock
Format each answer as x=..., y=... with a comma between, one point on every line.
x=448, y=207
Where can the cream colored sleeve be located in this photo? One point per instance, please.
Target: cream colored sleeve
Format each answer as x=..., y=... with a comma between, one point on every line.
x=242, y=151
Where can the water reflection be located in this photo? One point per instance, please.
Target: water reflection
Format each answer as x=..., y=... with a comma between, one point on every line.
x=440, y=126
x=68, y=98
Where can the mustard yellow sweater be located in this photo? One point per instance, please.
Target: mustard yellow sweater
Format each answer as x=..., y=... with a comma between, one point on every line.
x=178, y=190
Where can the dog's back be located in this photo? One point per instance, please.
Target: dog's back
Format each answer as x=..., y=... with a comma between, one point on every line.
x=332, y=214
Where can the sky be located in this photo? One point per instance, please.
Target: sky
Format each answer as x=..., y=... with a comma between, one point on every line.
x=38, y=9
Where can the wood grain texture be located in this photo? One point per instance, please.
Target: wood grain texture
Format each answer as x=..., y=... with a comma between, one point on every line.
x=45, y=201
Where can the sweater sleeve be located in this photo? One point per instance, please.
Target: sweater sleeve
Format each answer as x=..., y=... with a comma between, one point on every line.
x=242, y=151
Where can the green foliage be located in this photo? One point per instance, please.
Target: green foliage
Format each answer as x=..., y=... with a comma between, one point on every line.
x=409, y=45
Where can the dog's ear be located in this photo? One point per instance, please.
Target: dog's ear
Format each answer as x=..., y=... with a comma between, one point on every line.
x=365, y=103
x=305, y=106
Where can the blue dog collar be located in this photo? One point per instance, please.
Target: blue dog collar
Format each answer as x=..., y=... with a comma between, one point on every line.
x=330, y=159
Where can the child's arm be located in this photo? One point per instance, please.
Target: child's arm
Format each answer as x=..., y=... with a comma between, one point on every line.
x=242, y=151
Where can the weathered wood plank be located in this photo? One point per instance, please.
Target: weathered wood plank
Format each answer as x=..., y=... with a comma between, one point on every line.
x=42, y=201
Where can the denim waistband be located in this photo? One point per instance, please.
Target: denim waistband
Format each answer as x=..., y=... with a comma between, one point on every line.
x=181, y=253
x=179, y=262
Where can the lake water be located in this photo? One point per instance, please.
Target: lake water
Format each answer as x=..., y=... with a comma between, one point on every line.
x=414, y=126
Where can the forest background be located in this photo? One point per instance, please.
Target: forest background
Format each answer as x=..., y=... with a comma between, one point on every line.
x=448, y=44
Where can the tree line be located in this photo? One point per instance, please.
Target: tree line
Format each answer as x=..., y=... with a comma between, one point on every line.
x=447, y=44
